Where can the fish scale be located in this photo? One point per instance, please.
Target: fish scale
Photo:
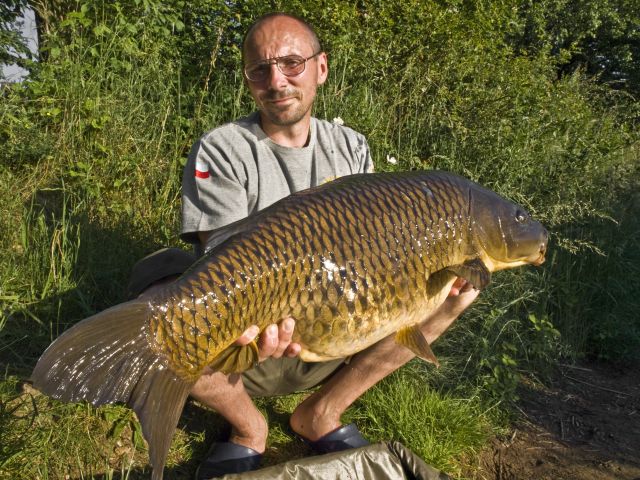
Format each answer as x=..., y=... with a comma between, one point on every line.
x=353, y=261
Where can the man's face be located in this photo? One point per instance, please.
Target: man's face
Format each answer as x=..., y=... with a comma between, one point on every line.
x=282, y=100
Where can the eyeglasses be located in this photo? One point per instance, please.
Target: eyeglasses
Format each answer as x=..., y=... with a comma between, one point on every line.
x=289, y=66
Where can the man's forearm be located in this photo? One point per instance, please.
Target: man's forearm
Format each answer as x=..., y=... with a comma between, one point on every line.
x=436, y=324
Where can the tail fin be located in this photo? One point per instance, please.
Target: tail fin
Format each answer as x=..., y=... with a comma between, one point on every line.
x=108, y=358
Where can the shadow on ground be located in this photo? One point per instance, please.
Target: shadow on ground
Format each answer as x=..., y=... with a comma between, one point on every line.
x=585, y=425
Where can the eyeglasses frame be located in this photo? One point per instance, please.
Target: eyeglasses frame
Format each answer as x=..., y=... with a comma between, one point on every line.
x=274, y=61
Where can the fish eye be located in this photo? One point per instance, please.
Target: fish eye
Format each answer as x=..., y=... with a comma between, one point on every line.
x=521, y=216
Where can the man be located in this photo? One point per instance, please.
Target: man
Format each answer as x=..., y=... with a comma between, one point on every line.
x=242, y=167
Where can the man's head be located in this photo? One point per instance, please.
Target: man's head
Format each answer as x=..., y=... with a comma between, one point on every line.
x=284, y=99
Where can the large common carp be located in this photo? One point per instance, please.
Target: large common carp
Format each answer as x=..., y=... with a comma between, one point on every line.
x=353, y=261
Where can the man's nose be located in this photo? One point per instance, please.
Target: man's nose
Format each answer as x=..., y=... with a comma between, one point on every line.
x=276, y=79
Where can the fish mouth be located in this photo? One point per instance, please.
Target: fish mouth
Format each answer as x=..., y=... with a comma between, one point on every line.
x=539, y=260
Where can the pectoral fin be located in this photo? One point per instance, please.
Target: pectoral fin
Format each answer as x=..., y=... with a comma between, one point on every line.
x=474, y=271
x=236, y=358
x=413, y=339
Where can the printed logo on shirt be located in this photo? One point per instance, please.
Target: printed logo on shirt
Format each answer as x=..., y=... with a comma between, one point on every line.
x=202, y=169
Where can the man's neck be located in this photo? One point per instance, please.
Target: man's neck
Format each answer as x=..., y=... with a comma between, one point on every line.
x=294, y=136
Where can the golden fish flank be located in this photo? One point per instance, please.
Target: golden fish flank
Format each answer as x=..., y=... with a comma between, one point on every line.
x=353, y=261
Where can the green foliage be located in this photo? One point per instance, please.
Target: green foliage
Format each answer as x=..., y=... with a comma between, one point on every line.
x=601, y=36
x=438, y=427
x=46, y=439
x=13, y=46
x=94, y=143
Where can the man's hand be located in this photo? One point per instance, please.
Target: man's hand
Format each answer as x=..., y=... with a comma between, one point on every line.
x=460, y=286
x=461, y=295
x=274, y=342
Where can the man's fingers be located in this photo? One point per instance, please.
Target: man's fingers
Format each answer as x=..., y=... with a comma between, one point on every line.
x=285, y=332
x=293, y=350
x=248, y=335
x=268, y=342
x=467, y=287
x=457, y=285
x=274, y=341
x=460, y=286
x=457, y=304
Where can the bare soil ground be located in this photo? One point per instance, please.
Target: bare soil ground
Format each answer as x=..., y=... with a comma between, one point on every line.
x=584, y=426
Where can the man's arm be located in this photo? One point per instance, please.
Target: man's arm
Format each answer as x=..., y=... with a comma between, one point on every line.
x=212, y=193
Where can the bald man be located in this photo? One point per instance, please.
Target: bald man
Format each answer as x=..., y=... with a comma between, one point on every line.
x=244, y=166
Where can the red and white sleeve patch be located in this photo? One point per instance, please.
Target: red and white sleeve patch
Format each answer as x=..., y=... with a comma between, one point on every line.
x=202, y=169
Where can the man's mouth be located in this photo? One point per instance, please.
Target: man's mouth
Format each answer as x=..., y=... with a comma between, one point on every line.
x=281, y=98
x=281, y=101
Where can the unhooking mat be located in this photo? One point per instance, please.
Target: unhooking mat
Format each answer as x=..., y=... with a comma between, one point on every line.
x=379, y=461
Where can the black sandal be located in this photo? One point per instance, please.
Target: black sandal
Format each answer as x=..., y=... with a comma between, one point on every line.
x=342, y=438
x=227, y=457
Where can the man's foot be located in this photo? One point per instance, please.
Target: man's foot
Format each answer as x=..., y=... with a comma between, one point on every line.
x=228, y=457
x=342, y=438
x=315, y=417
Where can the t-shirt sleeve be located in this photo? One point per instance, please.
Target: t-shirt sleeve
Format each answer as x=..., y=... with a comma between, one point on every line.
x=213, y=195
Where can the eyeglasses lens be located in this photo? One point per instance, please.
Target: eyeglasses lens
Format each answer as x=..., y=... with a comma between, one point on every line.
x=290, y=66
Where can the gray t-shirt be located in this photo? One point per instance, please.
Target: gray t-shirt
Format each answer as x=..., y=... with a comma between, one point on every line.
x=236, y=170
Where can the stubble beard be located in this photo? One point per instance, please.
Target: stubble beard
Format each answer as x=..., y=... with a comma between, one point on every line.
x=289, y=116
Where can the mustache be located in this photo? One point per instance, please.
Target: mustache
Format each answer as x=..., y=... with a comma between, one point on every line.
x=280, y=94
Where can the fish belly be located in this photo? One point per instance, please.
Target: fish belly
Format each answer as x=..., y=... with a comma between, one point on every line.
x=343, y=336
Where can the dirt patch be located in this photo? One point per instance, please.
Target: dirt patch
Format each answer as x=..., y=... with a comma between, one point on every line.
x=584, y=426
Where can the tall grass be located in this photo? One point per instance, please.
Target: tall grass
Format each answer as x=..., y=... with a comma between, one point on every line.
x=93, y=149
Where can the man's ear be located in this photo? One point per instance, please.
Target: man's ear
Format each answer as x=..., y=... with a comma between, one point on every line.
x=323, y=67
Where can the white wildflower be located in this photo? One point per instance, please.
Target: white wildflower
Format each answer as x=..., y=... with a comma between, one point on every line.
x=391, y=160
x=338, y=121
